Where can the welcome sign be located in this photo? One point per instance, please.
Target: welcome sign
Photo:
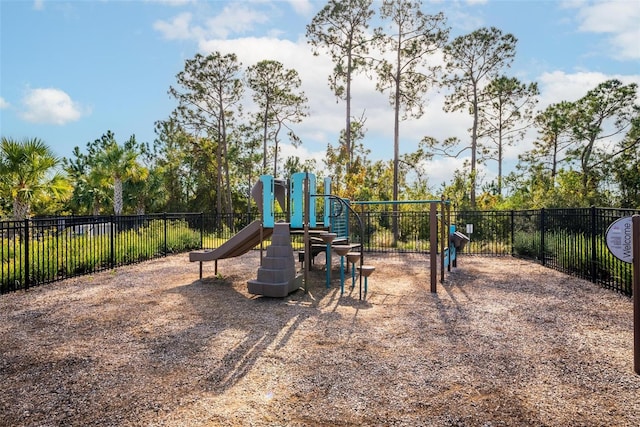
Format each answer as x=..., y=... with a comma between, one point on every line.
x=620, y=239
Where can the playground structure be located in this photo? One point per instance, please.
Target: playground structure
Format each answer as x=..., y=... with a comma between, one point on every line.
x=297, y=198
x=277, y=276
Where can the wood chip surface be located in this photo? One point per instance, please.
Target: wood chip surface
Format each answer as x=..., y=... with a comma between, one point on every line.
x=504, y=342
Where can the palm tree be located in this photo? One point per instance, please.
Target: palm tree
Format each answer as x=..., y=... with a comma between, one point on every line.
x=90, y=189
x=27, y=173
x=121, y=164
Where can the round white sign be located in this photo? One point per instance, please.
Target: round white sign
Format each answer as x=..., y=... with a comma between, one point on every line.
x=619, y=239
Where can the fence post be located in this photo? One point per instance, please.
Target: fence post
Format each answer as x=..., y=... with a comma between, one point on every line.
x=433, y=246
x=27, y=261
x=542, y=233
x=365, y=227
x=635, y=290
x=594, y=258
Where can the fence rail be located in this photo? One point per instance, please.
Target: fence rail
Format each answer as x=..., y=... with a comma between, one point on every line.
x=44, y=250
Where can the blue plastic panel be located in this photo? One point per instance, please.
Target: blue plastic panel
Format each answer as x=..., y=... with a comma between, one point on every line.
x=327, y=202
x=268, y=216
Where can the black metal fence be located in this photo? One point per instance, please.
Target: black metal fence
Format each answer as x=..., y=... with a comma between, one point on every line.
x=44, y=250
x=411, y=219
x=567, y=240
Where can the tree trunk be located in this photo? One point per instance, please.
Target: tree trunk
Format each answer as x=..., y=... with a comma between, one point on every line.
x=219, y=165
x=554, y=162
x=396, y=152
x=117, y=196
x=21, y=209
x=347, y=139
x=265, y=133
x=500, y=160
x=474, y=146
x=275, y=158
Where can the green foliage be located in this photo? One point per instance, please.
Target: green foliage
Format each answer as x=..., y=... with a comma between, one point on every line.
x=472, y=61
x=382, y=238
x=109, y=177
x=209, y=92
x=573, y=162
x=624, y=168
x=182, y=237
x=459, y=190
x=340, y=29
x=526, y=245
x=280, y=101
x=507, y=113
x=29, y=177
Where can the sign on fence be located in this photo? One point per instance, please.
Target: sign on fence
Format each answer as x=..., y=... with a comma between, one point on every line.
x=623, y=239
x=619, y=239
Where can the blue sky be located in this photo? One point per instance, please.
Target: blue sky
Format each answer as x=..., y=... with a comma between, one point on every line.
x=71, y=70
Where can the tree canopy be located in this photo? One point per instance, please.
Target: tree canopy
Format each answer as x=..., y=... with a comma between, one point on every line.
x=28, y=176
x=231, y=121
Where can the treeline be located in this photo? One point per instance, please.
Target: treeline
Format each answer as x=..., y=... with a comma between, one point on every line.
x=215, y=143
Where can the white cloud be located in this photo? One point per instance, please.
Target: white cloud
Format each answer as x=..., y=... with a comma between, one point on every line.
x=464, y=17
x=560, y=86
x=619, y=19
x=38, y=5
x=287, y=150
x=50, y=106
x=3, y=103
x=172, y=2
x=302, y=7
x=177, y=29
x=234, y=19
x=441, y=170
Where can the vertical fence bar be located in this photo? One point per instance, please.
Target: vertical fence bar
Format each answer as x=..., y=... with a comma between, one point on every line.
x=165, y=233
x=513, y=232
x=201, y=230
x=18, y=270
x=37, y=258
x=542, y=237
x=59, y=267
x=112, y=242
x=594, y=258
x=27, y=260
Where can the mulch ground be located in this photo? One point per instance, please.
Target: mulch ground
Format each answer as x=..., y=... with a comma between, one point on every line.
x=504, y=342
